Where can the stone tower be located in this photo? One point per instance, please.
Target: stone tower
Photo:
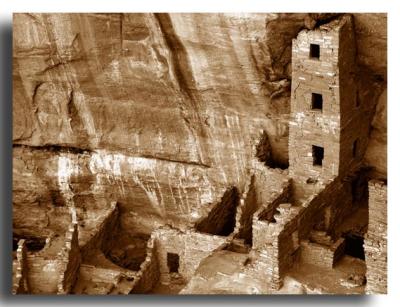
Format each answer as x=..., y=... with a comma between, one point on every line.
x=327, y=136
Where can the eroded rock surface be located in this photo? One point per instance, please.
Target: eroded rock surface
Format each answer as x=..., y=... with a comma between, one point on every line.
x=161, y=87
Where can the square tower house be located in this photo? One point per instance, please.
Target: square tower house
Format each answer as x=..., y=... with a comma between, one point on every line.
x=326, y=134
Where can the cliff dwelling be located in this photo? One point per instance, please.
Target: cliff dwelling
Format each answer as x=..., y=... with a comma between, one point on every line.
x=199, y=153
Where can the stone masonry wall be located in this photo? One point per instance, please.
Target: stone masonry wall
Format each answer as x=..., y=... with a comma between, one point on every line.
x=70, y=258
x=267, y=211
x=192, y=248
x=263, y=218
x=244, y=212
x=276, y=238
x=149, y=273
x=20, y=283
x=275, y=244
x=288, y=240
x=375, y=243
x=330, y=205
x=321, y=255
x=267, y=181
x=314, y=127
x=262, y=191
x=108, y=278
x=340, y=126
x=43, y=276
x=275, y=235
x=56, y=275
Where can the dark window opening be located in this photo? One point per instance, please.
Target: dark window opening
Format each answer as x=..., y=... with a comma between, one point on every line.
x=312, y=180
x=314, y=51
x=318, y=155
x=355, y=148
x=173, y=262
x=357, y=101
x=316, y=101
x=33, y=244
x=354, y=246
x=15, y=244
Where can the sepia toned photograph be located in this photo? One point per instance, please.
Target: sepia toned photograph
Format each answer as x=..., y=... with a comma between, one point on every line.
x=199, y=153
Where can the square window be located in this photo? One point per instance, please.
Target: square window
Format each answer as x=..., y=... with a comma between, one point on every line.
x=316, y=101
x=318, y=155
x=314, y=51
x=354, y=246
x=173, y=262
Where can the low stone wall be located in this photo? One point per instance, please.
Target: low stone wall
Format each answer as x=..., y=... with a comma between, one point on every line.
x=321, y=255
x=267, y=181
x=56, y=275
x=102, y=281
x=275, y=243
x=20, y=282
x=244, y=212
x=262, y=218
x=329, y=206
x=97, y=274
x=43, y=276
x=70, y=257
x=375, y=243
x=267, y=211
x=276, y=237
x=267, y=189
x=191, y=247
x=149, y=273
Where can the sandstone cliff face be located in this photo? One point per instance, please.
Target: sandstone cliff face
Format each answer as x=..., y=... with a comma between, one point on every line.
x=161, y=112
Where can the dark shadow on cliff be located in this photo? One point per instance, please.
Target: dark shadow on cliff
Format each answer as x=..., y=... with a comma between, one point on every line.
x=221, y=219
x=181, y=65
x=192, y=109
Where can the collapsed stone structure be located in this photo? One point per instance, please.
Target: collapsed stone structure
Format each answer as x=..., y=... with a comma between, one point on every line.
x=283, y=226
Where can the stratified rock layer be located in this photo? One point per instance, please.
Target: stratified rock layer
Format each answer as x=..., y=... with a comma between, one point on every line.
x=161, y=112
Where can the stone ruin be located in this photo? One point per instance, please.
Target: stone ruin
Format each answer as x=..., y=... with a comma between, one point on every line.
x=289, y=231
